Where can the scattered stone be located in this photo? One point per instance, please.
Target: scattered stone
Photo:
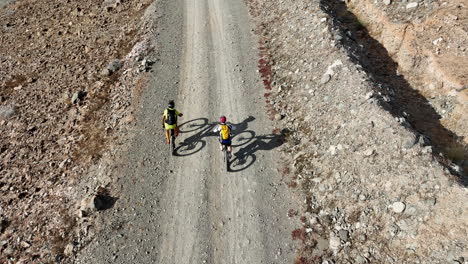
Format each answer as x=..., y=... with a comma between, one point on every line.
x=437, y=41
x=412, y=5
x=278, y=117
x=398, y=207
x=106, y=72
x=7, y=111
x=112, y=67
x=325, y=78
x=410, y=142
x=25, y=244
x=368, y=152
x=68, y=249
x=387, y=2
x=335, y=242
x=332, y=150
x=344, y=235
x=362, y=197
x=369, y=95
x=430, y=201
x=362, y=237
x=361, y=260
x=411, y=210
x=80, y=95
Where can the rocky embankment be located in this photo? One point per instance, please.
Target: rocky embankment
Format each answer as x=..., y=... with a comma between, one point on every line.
x=428, y=41
x=69, y=73
x=376, y=188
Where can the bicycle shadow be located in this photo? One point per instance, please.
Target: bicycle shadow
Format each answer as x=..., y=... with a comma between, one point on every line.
x=245, y=156
x=195, y=142
x=203, y=129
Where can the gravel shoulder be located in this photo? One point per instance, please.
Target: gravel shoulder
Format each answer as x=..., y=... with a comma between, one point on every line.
x=187, y=209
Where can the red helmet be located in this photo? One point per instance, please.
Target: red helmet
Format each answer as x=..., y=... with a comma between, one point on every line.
x=222, y=119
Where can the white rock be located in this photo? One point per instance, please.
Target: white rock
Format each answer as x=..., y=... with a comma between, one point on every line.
x=453, y=93
x=412, y=5
x=362, y=197
x=387, y=2
x=437, y=41
x=369, y=95
x=368, y=152
x=335, y=243
x=7, y=111
x=68, y=250
x=398, y=207
x=332, y=150
x=325, y=78
x=335, y=64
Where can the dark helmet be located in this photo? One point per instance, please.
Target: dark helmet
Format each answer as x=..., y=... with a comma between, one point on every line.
x=171, y=104
x=222, y=119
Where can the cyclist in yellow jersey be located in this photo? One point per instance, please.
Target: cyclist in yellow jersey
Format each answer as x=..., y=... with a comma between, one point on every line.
x=225, y=137
x=169, y=120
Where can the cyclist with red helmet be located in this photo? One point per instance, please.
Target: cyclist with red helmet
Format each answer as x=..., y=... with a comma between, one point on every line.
x=225, y=136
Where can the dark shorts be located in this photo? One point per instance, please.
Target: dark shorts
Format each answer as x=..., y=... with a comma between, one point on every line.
x=225, y=142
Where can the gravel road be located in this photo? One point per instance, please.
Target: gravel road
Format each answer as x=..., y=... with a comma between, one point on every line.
x=187, y=209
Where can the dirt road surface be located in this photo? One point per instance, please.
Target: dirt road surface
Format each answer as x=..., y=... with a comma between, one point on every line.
x=187, y=208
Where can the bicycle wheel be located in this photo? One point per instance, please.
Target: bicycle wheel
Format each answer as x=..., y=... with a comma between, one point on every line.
x=226, y=158
x=172, y=142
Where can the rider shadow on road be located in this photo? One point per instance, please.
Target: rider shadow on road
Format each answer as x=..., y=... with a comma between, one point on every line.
x=246, y=155
x=202, y=129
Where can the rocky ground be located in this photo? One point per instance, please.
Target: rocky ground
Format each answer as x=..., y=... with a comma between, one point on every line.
x=377, y=142
x=378, y=189
x=428, y=41
x=69, y=73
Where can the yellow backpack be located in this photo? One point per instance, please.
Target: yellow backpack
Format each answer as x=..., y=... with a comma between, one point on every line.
x=225, y=133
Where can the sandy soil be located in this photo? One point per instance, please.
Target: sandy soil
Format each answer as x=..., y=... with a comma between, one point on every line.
x=187, y=209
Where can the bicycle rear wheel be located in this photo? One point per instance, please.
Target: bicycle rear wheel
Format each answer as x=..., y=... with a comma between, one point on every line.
x=226, y=158
x=172, y=142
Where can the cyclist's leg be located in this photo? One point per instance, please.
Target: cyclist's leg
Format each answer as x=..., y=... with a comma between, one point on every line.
x=176, y=130
x=220, y=144
x=229, y=149
x=167, y=136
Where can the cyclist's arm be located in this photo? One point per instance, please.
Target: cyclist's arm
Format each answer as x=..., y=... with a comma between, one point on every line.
x=163, y=119
x=178, y=113
x=216, y=129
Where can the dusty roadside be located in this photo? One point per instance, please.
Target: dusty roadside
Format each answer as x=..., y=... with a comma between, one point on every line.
x=69, y=78
x=378, y=189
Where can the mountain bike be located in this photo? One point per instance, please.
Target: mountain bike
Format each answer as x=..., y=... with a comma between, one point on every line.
x=226, y=157
x=172, y=142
